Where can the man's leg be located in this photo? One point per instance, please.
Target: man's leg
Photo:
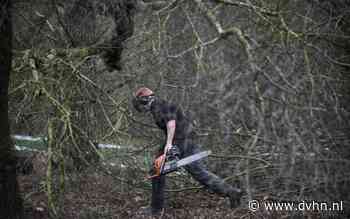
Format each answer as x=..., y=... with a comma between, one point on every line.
x=208, y=179
x=213, y=182
x=158, y=185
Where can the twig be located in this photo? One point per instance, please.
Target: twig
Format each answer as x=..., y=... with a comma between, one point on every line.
x=241, y=157
x=250, y=6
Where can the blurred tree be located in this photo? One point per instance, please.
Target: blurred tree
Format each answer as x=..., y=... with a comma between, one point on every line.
x=103, y=26
x=10, y=202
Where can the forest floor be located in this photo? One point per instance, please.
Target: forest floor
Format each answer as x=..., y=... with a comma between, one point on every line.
x=94, y=198
x=95, y=195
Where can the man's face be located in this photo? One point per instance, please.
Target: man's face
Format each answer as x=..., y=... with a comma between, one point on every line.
x=142, y=104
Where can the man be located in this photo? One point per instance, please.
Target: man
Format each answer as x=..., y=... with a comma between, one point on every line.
x=178, y=131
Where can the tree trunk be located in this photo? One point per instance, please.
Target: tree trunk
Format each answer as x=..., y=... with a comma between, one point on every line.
x=10, y=202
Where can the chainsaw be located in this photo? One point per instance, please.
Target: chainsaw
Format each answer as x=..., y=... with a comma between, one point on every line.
x=170, y=162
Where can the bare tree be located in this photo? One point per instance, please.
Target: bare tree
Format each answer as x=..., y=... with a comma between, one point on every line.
x=265, y=80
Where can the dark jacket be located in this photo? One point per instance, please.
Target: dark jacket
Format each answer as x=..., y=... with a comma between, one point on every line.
x=164, y=112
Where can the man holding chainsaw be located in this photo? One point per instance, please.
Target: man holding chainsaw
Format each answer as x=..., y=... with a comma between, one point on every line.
x=179, y=143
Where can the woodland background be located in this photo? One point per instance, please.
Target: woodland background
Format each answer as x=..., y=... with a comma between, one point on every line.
x=265, y=81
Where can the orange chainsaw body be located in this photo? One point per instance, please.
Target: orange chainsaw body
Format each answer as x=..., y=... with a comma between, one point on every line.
x=157, y=166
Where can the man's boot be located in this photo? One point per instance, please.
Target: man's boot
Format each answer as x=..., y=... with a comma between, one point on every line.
x=235, y=197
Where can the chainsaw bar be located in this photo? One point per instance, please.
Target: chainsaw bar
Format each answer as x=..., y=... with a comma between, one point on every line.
x=175, y=164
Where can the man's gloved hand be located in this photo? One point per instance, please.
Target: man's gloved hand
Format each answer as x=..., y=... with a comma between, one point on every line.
x=173, y=153
x=167, y=148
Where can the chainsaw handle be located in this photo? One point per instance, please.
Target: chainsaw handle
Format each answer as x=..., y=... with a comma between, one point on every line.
x=161, y=163
x=158, y=164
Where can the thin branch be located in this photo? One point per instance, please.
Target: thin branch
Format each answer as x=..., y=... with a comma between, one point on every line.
x=240, y=157
x=250, y=6
x=226, y=32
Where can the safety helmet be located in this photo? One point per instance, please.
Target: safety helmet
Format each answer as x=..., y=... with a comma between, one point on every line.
x=143, y=92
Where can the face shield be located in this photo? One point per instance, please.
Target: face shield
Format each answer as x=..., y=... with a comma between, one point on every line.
x=143, y=104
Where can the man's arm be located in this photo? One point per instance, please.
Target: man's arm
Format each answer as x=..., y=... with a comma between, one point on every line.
x=170, y=126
